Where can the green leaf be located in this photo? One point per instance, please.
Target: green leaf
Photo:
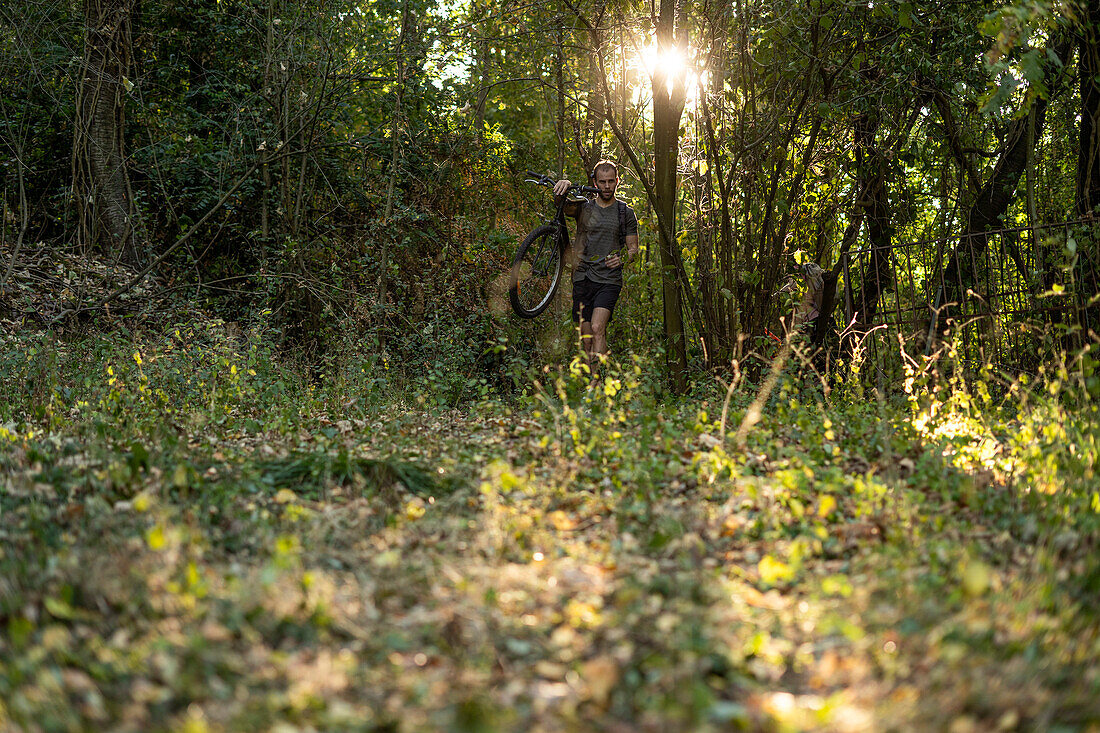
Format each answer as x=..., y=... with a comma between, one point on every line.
x=59, y=608
x=976, y=578
x=905, y=15
x=1005, y=87
x=1031, y=65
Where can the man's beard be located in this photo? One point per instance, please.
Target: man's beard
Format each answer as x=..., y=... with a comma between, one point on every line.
x=607, y=195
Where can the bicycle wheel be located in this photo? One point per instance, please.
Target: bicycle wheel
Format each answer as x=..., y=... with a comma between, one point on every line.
x=536, y=272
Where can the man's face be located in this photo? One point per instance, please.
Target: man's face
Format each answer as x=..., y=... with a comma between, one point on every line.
x=606, y=182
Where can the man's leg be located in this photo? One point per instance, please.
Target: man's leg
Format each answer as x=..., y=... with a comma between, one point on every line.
x=582, y=312
x=600, y=318
x=587, y=340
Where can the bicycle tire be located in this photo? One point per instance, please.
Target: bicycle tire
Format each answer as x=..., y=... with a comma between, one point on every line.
x=536, y=271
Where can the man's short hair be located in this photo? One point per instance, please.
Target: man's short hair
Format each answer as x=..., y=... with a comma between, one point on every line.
x=605, y=164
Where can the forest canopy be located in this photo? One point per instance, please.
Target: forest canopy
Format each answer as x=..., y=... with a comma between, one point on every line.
x=938, y=162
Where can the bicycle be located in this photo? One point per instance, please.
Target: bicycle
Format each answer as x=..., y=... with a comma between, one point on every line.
x=537, y=268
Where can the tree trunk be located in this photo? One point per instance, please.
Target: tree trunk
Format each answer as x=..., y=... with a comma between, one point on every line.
x=727, y=323
x=1088, y=160
x=669, y=96
x=101, y=185
x=590, y=144
x=1088, y=156
x=559, y=118
x=873, y=168
x=825, y=319
x=989, y=206
x=396, y=131
x=268, y=92
x=484, y=70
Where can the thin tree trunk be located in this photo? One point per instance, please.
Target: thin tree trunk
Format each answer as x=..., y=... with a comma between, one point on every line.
x=873, y=168
x=559, y=80
x=591, y=148
x=25, y=216
x=828, y=293
x=1088, y=155
x=772, y=237
x=726, y=306
x=1088, y=158
x=265, y=169
x=954, y=138
x=396, y=126
x=669, y=97
x=100, y=182
x=484, y=59
x=989, y=206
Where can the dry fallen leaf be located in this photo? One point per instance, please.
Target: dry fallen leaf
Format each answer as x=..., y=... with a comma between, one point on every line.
x=601, y=675
x=285, y=496
x=560, y=520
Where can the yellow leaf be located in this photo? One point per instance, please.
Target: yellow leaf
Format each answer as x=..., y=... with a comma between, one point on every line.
x=179, y=476
x=774, y=571
x=826, y=506
x=581, y=614
x=155, y=538
x=285, y=496
x=976, y=578
x=195, y=725
x=415, y=509
x=286, y=545
x=560, y=520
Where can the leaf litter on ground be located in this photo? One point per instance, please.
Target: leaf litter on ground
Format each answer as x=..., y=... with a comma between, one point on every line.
x=583, y=560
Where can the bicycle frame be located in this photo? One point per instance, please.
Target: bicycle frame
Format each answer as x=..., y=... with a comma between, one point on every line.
x=559, y=215
x=544, y=251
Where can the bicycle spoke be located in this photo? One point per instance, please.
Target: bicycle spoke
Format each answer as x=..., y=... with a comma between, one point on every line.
x=536, y=273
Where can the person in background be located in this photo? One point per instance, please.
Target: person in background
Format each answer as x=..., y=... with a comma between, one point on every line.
x=606, y=240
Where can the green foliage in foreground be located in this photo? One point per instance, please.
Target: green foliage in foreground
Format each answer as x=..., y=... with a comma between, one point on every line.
x=197, y=538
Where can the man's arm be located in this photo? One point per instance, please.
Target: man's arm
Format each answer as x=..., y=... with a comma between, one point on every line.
x=631, y=247
x=617, y=260
x=629, y=221
x=571, y=208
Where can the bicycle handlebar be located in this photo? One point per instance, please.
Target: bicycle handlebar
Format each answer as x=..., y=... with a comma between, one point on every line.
x=545, y=180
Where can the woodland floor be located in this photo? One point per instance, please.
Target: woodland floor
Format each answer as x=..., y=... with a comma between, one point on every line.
x=188, y=545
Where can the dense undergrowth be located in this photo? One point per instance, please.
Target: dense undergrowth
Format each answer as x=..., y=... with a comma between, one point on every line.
x=200, y=535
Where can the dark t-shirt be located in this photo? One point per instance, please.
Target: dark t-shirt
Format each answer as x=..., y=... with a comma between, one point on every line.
x=597, y=237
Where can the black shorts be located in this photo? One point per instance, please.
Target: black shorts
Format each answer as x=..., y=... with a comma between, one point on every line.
x=588, y=295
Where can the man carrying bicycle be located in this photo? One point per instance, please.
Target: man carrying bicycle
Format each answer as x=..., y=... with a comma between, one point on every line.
x=605, y=228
